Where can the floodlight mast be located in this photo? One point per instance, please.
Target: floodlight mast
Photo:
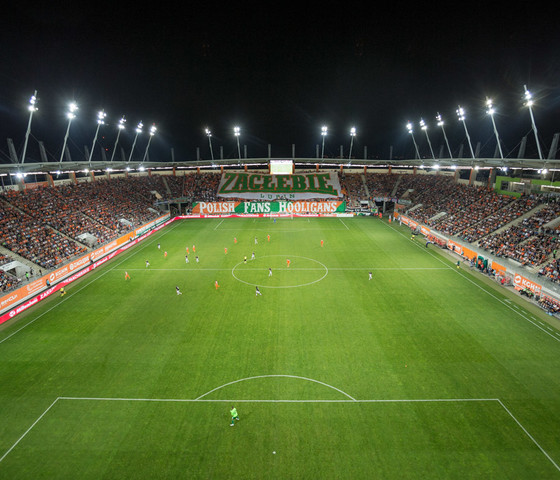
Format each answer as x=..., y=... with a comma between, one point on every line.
x=209, y=135
x=352, y=135
x=440, y=124
x=529, y=103
x=70, y=115
x=138, y=132
x=461, y=116
x=424, y=127
x=237, y=132
x=324, y=130
x=100, y=121
x=153, y=130
x=409, y=128
x=32, y=109
x=490, y=111
x=120, y=126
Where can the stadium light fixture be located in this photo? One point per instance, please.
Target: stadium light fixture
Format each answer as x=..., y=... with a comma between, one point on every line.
x=529, y=104
x=352, y=135
x=71, y=114
x=138, y=132
x=209, y=135
x=490, y=111
x=440, y=124
x=120, y=127
x=424, y=127
x=411, y=131
x=100, y=121
x=237, y=132
x=461, y=116
x=153, y=131
x=324, y=130
x=32, y=109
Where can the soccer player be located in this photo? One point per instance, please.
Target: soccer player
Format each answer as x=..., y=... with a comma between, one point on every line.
x=193, y=249
x=234, y=416
x=126, y=276
x=178, y=291
x=245, y=259
x=225, y=250
x=147, y=263
x=158, y=246
x=288, y=262
x=370, y=276
x=216, y=284
x=321, y=243
x=187, y=250
x=235, y=240
x=196, y=258
x=63, y=292
x=256, y=241
x=165, y=254
x=257, y=291
x=268, y=238
x=270, y=272
x=253, y=256
x=186, y=259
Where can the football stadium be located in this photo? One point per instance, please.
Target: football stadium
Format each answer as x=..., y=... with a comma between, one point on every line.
x=279, y=319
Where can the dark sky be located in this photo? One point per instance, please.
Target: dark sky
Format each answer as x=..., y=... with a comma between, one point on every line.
x=279, y=72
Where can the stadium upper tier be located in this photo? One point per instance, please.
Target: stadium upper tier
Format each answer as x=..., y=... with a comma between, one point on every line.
x=49, y=225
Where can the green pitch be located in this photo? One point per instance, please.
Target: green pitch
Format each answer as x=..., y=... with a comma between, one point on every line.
x=425, y=371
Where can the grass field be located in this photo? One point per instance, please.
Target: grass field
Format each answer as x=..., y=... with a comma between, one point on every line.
x=425, y=371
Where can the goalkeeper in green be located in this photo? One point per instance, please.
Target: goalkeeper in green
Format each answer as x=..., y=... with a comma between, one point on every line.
x=234, y=416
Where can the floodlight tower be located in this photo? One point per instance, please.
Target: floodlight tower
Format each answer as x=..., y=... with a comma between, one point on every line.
x=209, y=135
x=490, y=111
x=409, y=128
x=237, y=132
x=529, y=103
x=32, y=109
x=100, y=121
x=440, y=124
x=138, y=132
x=324, y=130
x=153, y=130
x=120, y=126
x=352, y=135
x=70, y=115
x=461, y=116
x=424, y=127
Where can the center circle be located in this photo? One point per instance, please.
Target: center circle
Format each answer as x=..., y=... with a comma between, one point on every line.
x=305, y=271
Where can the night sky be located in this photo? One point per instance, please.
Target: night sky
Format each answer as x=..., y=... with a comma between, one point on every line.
x=279, y=72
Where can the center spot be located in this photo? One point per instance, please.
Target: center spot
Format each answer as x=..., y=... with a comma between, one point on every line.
x=302, y=271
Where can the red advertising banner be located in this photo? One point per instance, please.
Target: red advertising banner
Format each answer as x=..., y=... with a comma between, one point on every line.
x=519, y=281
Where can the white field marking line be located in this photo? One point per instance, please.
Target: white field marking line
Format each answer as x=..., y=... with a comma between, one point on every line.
x=529, y=435
x=326, y=270
x=29, y=429
x=277, y=376
x=342, y=221
x=503, y=302
x=216, y=227
x=342, y=269
x=79, y=290
x=245, y=400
